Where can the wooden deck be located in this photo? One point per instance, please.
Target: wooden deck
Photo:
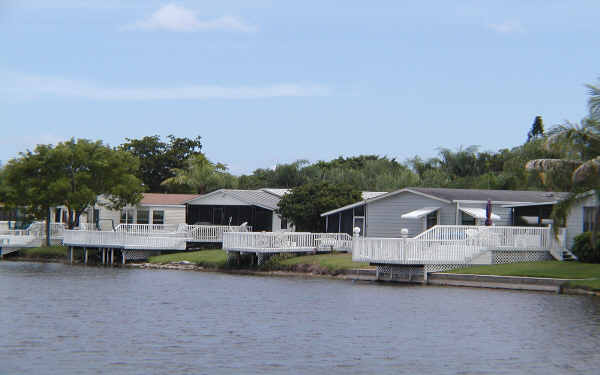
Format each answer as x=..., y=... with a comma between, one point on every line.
x=458, y=244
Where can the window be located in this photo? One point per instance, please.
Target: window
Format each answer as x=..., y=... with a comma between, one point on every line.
x=588, y=218
x=158, y=217
x=143, y=216
x=467, y=219
x=284, y=224
x=432, y=219
x=127, y=216
x=57, y=215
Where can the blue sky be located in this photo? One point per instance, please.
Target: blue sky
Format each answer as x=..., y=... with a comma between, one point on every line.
x=266, y=82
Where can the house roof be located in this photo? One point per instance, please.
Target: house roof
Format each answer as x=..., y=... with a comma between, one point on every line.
x=493, y=195
x=467, y=195
x=157, y=199
x=259, y=198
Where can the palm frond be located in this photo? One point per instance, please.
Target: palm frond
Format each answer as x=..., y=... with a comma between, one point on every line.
x=543, y=165
x=594, y=101
x=588, y=172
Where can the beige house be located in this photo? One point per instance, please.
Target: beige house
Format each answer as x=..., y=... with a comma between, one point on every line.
x=154, y=208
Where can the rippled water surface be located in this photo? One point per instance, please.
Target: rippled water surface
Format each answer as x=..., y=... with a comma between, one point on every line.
x=60, y=319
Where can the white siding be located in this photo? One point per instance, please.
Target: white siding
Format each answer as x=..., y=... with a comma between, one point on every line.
x=173, y=215
x=575, y=219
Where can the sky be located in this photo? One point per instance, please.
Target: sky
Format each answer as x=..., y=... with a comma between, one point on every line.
x=265, y=82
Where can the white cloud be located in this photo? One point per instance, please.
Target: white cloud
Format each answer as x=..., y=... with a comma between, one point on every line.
x=173, y=17
x=29, y=86
x=507, y=27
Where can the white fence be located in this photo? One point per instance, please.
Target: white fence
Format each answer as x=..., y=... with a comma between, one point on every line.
x=147, y=228
x=213, y=233
x=455, y=244
x=123, y=240
x=278, y=242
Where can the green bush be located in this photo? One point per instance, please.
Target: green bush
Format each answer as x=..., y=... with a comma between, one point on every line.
x=583, y=249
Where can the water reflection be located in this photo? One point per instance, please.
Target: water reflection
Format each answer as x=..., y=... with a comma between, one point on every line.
x=64, y=319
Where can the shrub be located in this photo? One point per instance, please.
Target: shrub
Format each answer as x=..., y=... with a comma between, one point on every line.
x=582, y=248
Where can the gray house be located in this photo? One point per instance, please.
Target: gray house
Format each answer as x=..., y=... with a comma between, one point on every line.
x=579, y=219
x=418, y=209
x=231, y=206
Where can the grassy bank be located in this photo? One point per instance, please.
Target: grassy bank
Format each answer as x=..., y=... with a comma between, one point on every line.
x=321, y=263
x=217, y=259
x=52, y=252
x=552, y=269
x=204, y=258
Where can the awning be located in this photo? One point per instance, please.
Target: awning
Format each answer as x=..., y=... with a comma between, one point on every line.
x=478, y=213
x=533, y=220
x=417, y=214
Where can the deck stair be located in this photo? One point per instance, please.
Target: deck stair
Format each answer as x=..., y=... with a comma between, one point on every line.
x=459, y=244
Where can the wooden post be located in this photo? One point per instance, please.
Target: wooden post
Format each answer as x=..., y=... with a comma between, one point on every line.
x=112, y=256
x=123, y=254
x=71, y=253
x=103, y=255
x=86, y=255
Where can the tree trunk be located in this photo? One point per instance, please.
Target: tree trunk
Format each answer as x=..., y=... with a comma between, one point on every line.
x=48, y=227
x=596, y=223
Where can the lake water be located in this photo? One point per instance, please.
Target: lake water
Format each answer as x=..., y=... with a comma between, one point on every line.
x=61, y=319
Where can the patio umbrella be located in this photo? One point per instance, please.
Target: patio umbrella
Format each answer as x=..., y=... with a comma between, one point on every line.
x=488, y=213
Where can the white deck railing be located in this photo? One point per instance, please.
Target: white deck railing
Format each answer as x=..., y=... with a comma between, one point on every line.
x=213, y=233
x=32, y=236
x=146, y=228
x=124, y=240
x=454, y=244
x=277, y=242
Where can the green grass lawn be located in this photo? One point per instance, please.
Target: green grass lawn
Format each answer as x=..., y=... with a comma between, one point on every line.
x=204, y=258
x=560, y=270
x=52, y=252
x=332, y=262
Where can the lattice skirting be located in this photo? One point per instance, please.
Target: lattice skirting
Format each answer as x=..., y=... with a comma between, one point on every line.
x=137, y=254
x=394, y=272
x=499, y=257
x=444, y=267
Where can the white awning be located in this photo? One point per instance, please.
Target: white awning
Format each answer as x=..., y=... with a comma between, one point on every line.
x=533, y=220
x=478, y=213
x=417, y=214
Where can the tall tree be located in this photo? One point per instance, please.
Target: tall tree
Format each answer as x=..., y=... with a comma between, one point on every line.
x=158, y=159
x=199, y=175
x=581, y=146
x=74, y=174
x=537, y=129
x=304, y=205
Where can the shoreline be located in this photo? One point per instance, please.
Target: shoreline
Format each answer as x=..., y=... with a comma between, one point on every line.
x=366, y=275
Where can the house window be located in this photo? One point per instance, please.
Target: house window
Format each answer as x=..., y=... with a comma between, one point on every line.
x=127, y=216
x=57, y=215
x=432, y=219
x=143, y=216
x=467, y=219
x=158, y=217
x=284, y=223
x=588, y=218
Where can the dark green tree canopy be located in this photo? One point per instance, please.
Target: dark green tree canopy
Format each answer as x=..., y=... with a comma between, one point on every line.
x=74, y=174
x=305, y=204
x=537, y=129
x=159, y=158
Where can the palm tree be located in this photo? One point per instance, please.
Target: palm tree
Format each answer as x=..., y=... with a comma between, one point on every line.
x=200, y=175
x=580, y=145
